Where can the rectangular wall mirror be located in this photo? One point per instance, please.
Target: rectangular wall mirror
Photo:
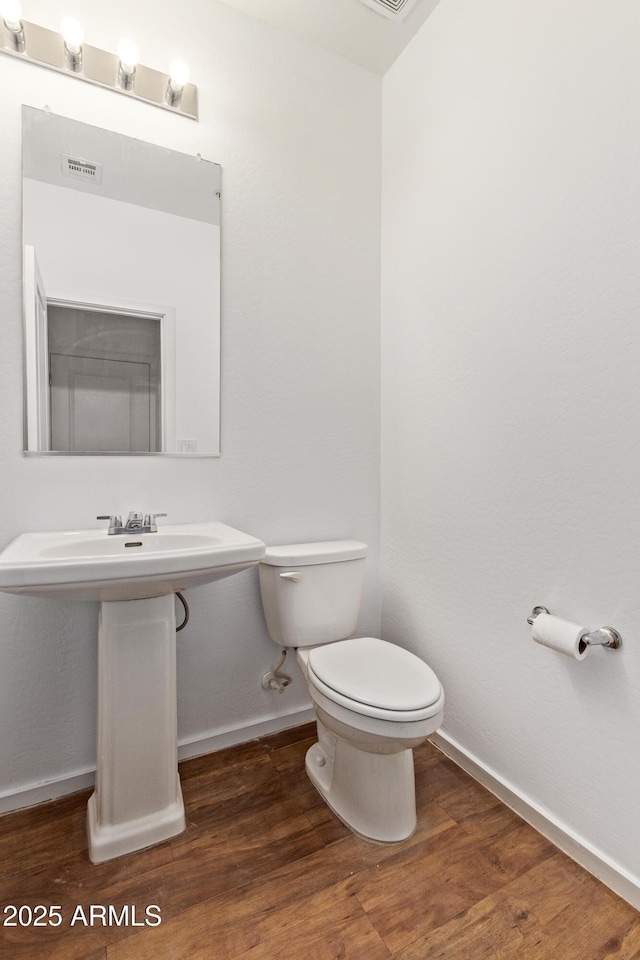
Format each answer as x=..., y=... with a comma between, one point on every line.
x=121, y=246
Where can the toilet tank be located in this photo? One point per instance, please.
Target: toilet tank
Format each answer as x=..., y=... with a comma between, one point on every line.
x=312, y=592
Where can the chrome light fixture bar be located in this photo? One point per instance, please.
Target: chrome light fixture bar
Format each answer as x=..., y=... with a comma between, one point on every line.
x=66, y=52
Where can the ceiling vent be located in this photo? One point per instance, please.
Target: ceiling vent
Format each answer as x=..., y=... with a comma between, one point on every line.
x=391, y=9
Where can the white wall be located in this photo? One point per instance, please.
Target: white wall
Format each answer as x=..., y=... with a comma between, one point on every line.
x=511, y=395
x=300, y=379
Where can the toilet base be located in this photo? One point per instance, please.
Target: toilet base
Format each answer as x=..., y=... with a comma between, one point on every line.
x=372, y=793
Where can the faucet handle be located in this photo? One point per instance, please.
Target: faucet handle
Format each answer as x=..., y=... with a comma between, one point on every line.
x=150, y=521
x=114, y=521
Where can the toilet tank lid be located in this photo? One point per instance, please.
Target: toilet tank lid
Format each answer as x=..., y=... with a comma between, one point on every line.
x=305, y=554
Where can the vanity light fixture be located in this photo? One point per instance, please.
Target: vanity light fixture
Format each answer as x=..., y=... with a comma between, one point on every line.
x=11, y=13
x=178, y=77
x=128, y=56
x=66, y=52
x=73, y=36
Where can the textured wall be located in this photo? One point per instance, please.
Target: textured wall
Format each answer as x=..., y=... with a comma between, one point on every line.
x=297, y=132
x=511, y=406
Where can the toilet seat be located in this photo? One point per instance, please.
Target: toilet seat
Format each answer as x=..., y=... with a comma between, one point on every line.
x=375, y=678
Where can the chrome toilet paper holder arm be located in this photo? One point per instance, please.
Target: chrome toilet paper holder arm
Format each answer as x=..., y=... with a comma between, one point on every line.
x=603, y=637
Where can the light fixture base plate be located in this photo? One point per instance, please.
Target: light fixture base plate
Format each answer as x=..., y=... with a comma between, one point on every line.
x=45, y=48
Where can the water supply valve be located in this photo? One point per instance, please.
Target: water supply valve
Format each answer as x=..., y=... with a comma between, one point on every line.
x=275, y=679
x=271, y=682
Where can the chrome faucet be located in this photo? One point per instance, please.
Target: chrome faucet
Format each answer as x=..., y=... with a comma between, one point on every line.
x=136, y=523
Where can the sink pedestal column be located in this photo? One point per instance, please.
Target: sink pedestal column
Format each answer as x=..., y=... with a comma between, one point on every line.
x=137, y=800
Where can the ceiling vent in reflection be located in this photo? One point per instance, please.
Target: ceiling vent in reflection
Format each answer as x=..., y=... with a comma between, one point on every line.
x=391, y=9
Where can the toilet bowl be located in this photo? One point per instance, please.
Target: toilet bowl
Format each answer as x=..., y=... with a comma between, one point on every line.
x=374, y=701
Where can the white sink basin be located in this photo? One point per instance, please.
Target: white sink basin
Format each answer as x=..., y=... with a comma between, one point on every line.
x=137, y=699
x=91, y=565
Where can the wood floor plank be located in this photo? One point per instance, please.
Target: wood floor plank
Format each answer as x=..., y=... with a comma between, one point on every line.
x=289, y=758
x=254, y=790
x=210, y=865
x=237, y=924
x=510, y=917
x=265, y=870
x=332, y=938
x=611, y=931
x=421, y=889
x=209, y=796
x=277, y=901
x=224, y=761
x=276, y=741
x=490, y=822
x=456, y=792
x=487, y=931
x=410, y=895
x=356, y=939
x=43, y=834
x=70, y=884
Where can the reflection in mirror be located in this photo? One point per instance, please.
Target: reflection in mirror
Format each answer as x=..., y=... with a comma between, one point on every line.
x=92, y=381
x=121, y=293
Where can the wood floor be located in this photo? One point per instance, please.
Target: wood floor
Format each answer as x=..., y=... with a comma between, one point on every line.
x=265, y=872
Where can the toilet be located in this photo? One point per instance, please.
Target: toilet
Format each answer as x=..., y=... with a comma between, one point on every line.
x=374, y=701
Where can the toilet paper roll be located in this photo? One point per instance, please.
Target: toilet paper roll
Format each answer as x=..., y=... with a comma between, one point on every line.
x=560, y=635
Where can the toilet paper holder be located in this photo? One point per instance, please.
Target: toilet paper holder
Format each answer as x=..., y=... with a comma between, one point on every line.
x=603, y=637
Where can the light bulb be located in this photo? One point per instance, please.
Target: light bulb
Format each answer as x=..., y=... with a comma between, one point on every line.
x=178, y=74
x=72, y=33
x=128, y=54
x=11, y=13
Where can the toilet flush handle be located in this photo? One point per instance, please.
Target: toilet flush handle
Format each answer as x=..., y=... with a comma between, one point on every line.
x=291, y=575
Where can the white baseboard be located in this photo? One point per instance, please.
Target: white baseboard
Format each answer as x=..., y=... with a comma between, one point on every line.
x=625, y=884
x=212, y=742
x=30, y=794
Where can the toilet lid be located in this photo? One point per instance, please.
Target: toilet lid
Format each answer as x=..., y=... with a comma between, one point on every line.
x=376, y=673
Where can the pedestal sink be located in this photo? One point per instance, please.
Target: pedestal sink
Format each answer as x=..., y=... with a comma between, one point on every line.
x=137, y=799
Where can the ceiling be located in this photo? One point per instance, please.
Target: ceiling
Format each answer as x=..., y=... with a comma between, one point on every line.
x=345, y=27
